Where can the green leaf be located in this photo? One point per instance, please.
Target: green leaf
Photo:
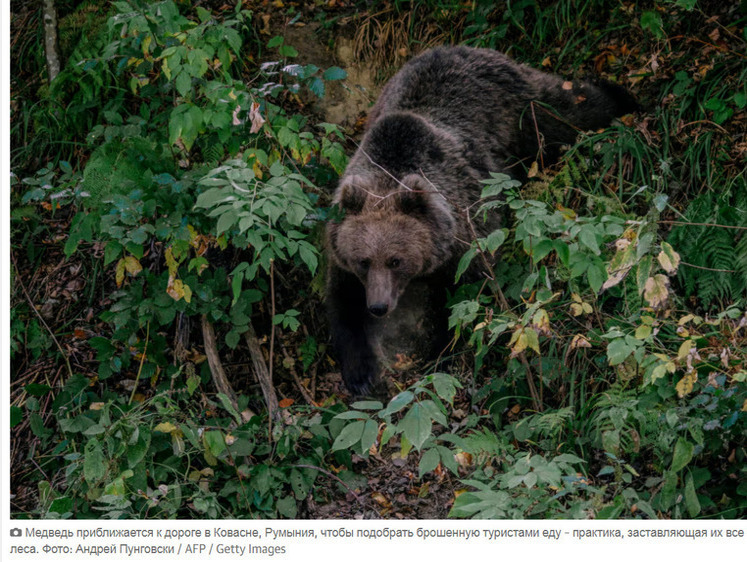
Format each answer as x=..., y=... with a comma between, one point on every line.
x=214, y=442
x=61, y=505
x=651, y=21
x=183, y=83
x=275, y=41
x=428, y=462
x=287, y=507
x=350, y=435
x=642, y=273
x=691, y=497
x=397, y=403
x=683, y=454
x=299, y=484
x=94, y=466
x=334, y=73
x=136, y=451
x=287, y=51
x=541, y=249
x=688, y=5
x=588, y=237
x=16, y=416
x=35, y=389
x=563, y=251
x=464, y=262
x=416, y=425
x=618, y=351
x=368, y=438
x=112, y=251
x=596, y=275
x=317, y=87
x=444, y=386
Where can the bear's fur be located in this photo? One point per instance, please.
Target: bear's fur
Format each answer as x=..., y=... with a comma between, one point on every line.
x=442, y=123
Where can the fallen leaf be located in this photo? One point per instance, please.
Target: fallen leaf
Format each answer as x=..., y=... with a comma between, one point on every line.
x=380, y=499
x=286, y=402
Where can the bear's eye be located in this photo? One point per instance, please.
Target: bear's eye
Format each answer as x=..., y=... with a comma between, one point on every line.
x=394, y=262
x=364, y=264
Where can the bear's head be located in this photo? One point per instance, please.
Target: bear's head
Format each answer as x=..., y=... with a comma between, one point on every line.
x=392, y=232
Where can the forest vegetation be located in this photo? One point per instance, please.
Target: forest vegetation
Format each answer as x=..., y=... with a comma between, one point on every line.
x=169, y=348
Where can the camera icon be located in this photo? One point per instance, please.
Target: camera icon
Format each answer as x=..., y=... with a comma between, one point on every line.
x=16, y=532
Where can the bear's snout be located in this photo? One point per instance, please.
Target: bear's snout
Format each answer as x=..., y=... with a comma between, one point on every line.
x=379, y=309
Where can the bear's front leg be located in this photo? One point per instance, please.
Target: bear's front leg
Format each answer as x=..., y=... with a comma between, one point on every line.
x=350, y=326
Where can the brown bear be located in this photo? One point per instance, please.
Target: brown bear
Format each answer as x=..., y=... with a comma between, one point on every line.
x=442, y=123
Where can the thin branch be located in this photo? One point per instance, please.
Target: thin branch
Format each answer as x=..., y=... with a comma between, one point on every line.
x=334, y=477
x=539, y=137
x=38, y=314
x=683, y=223
x=142, y=362
x=707, y=268
x=304, y=392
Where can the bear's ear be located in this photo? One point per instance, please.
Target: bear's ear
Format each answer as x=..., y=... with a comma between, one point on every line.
x=422, y=200
x=351, y=196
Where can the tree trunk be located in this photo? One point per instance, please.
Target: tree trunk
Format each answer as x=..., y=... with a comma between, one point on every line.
x=51, y=46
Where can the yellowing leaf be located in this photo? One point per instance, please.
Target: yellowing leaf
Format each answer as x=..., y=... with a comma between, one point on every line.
x=132, y=266
x=120, y=273
x=668, y=258
x=176, y=289
x=568, y=214
x=524, y=338
x=541, y=322
x=656, y=291
x=165, y=427
x=686, y=384
x=622, y=262
x=685, y=348
x=533, y=340
x=642, y=332
x=658, y=372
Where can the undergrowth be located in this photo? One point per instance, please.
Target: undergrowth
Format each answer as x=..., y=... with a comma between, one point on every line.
x=172, y=182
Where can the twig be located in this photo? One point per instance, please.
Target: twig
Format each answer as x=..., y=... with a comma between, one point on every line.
x=496, y=288
x=333, y=476
x=707, y=268
x=301, y=387
x=31, y=304
x=142, y=361
x=683, y=223
x=539, y=138
x=272, y=321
